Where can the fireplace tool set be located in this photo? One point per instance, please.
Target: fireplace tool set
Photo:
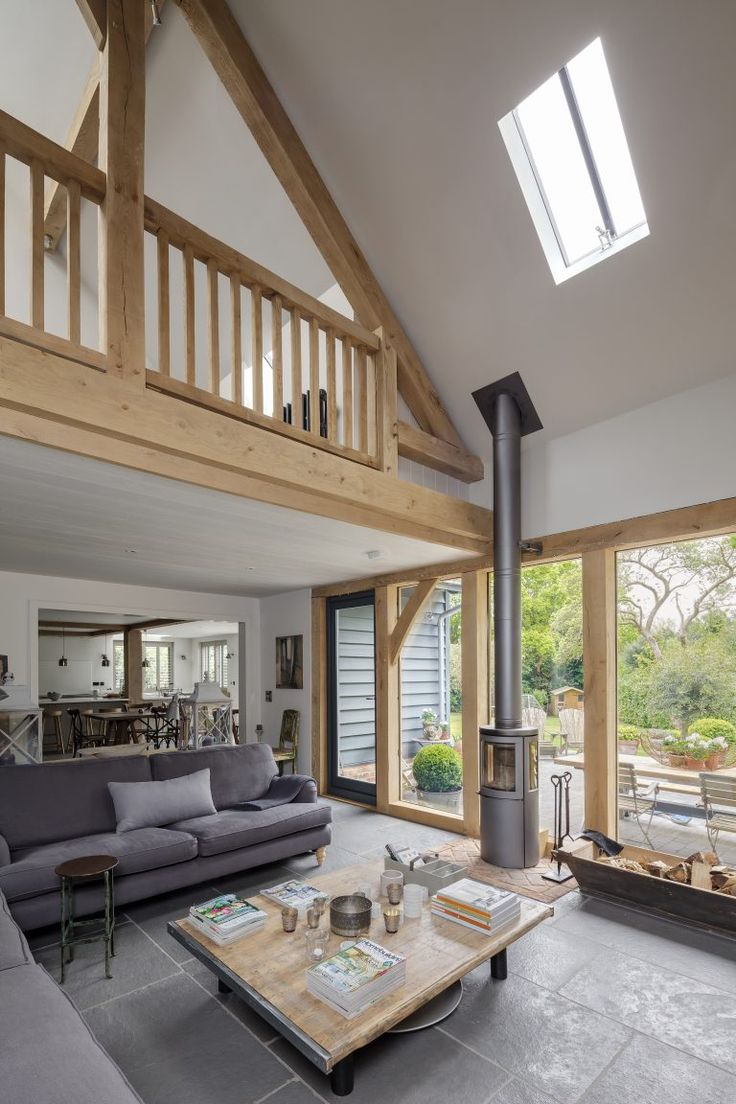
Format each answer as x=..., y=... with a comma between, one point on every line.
x=561, y=785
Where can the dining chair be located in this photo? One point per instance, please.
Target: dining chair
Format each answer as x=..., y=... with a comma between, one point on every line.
x=288, y=740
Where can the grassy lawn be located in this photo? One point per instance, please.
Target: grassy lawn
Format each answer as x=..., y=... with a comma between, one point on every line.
x=551, y=727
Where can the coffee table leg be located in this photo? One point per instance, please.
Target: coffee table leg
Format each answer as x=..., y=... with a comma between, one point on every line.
x=499, y=966
x=223, y=987
x=342, y=1077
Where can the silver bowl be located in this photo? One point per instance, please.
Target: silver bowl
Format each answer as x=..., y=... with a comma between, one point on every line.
x=350, y=915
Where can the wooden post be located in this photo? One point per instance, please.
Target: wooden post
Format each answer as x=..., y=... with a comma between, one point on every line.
x=237, y=341
x=133, y=657
x=256, y=335
x=73, y=263
x=277, y=357
x=314, y=376
x=387, y=418
x=476, y=689
x=2, y=229
x=599, y=662
x=213, y=326
x=164, y=307
x=388, y=728
x=37, y=257
x=319, y=692
x=189, y=316
x=122, y=124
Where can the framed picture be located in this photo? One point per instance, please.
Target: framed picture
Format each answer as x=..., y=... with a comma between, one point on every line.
x=289, y=662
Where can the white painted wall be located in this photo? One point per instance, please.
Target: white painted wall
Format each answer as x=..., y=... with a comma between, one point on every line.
x=680, y=451
x=21, y=597
x=286, y=615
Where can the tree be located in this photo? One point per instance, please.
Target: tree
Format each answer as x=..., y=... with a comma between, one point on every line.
x=552, y=633
x=696, y=681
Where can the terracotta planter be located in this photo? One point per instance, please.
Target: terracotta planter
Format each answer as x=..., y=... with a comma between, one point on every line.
x=715, y=762
x=678, y=760
x=695, y=764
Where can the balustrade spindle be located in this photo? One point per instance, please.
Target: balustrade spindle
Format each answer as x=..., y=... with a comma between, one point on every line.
x=331, y=387
x=2, y=229
x=73, y=262
x=237, y=341
x=277, y=355
x=189, y=334
x=37, y=256
x=361, y=397
x=314, y=376
x=296, y=367
x=213, y=326
x=256, y=300
x=347, y=392
x=164, y=308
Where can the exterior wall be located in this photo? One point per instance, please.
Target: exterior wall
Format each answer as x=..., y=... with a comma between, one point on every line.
x=356, y=702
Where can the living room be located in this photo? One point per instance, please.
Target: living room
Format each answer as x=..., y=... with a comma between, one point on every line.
x=367, y=551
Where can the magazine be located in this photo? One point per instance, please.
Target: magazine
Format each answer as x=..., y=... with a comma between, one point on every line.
x=293, y=894
x=355, y=967
x=226, y=912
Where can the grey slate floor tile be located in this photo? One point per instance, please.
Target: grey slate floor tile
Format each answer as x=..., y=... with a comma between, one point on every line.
x=552, y=1043
x=702, y=956
x=689, y=1015
x=250, y=882
x=425, y=1067
x=304, y=866
x=519, y=1092
x=648, y=1072
x=178, y=1046
x=153, y=915
x=550, y=957
x=295, y=1092
x=137, y=962
x=229, y=1001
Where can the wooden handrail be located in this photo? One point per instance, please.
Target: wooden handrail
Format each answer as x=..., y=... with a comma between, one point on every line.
x=27, y=145
x=229, y=261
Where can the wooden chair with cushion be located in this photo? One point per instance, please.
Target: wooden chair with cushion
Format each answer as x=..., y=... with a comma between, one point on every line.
x=636, y=799
x=288, y=740
x=719, y=800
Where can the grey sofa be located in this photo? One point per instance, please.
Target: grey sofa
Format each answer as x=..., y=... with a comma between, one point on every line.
x=48, y=1053
x=58, y=811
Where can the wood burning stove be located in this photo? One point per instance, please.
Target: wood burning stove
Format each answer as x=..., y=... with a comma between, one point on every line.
x=509, y=759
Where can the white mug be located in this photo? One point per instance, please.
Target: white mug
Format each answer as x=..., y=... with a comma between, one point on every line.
x=389, y=876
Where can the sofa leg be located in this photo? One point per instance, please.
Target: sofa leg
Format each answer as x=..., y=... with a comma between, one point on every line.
x=321, y=855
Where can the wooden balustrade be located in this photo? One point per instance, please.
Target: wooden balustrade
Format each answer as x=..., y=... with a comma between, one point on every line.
x=47, y=160
x=318, y=382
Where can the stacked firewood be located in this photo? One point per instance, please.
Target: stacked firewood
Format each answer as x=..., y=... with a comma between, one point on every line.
x=702, y=869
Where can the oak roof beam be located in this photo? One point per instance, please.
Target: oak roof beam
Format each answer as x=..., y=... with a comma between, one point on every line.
x=223, y=42
x=94, y=14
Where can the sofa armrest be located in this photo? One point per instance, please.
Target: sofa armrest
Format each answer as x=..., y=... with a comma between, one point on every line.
x=4, y=852
x=292, y=788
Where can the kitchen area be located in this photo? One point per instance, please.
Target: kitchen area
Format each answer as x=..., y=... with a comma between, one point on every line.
x=110, y=683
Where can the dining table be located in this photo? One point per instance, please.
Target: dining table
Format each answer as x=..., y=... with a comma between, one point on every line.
x=121, y=725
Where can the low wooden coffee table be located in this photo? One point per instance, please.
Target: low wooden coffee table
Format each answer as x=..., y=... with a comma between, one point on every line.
x=267, y=971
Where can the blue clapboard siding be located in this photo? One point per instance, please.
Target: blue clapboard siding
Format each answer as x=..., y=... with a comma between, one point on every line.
x=356, y=707
x=420, y=673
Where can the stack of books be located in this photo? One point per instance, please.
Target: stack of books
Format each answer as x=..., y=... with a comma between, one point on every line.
x=478, y=906
x=227, y=918
x=356, y=977
x=293, y=894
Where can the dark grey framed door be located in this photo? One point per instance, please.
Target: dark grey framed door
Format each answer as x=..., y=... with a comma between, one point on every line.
x=351, y=687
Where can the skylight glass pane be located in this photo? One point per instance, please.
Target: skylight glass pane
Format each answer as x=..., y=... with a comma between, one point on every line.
x=596, y=99
x=550, y=137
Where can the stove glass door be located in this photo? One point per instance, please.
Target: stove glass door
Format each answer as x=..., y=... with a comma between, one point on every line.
x=499, y=766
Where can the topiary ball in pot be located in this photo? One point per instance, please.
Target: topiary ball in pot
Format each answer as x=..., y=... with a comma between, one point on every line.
x=438, y=769
x=711, y=727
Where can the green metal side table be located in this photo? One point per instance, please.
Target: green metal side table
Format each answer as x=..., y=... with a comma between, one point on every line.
x=83, y=869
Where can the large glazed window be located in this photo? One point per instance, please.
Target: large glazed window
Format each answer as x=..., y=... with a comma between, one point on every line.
x=677, y=696
x=430, y=667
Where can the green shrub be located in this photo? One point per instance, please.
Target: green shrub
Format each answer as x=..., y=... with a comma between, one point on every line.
x=438, y=769
x=629, y=732
x=711, y=727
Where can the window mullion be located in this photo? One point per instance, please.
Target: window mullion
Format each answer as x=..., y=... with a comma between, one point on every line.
x=587, y=152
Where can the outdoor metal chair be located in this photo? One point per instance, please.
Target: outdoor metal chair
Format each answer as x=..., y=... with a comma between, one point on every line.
x=718, y=795
x=636, y=799
x=166, y=723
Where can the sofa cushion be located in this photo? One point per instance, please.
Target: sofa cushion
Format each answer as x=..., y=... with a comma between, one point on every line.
x=32, y=871
x=151, y=804
x=48, y=1053
x=13, y=947
x=234, y=828
x=58, y=801
x=237, y=773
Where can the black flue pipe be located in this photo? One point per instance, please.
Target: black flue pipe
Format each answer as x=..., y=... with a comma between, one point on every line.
x=506, y=431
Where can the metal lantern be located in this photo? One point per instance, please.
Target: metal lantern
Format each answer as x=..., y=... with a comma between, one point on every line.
x=207, y=716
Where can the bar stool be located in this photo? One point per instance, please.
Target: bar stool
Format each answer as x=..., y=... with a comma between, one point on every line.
x=56, y=716
x=84, y=869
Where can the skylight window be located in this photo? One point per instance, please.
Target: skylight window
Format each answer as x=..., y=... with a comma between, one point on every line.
x=568, y=147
